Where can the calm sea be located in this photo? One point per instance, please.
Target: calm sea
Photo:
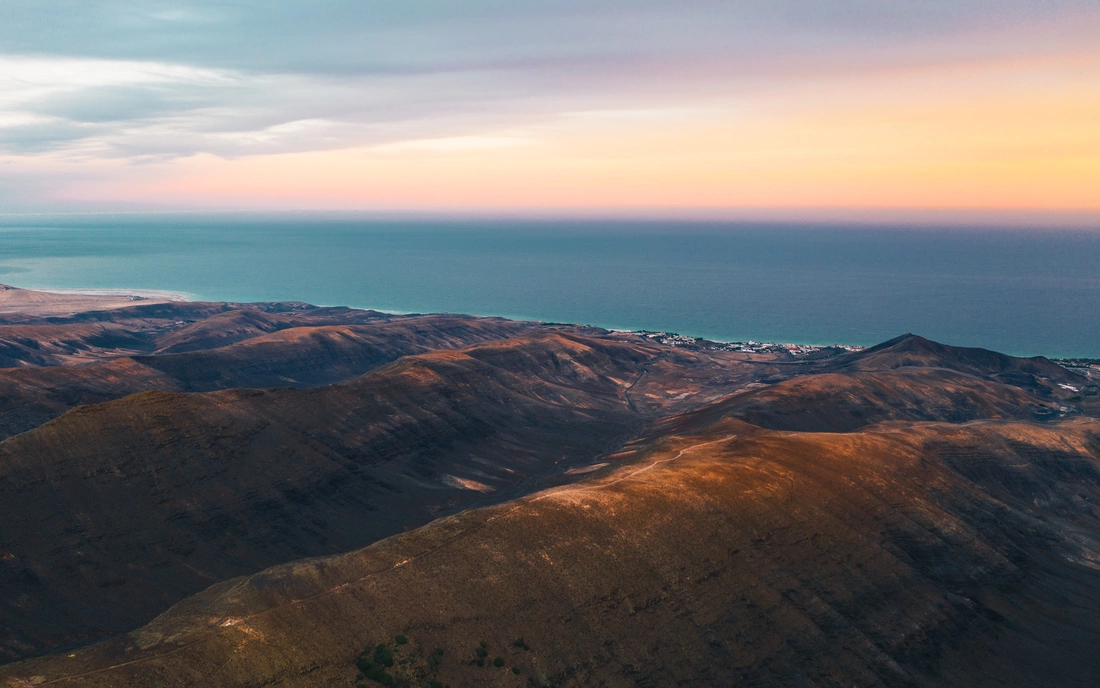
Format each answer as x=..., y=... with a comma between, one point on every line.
x=1022, y=292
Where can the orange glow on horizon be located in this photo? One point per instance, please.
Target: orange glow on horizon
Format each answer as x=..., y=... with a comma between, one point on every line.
x=1002, y=136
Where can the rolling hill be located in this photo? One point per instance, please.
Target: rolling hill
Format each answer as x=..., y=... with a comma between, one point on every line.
x=923, y=554
x=255, y=494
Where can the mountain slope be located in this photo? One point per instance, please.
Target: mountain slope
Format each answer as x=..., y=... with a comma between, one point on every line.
x=910, y=350
x=294, y=356
x=51, y=345
x=927, y=554
x=323, y=354
x=227, y=448
x=222, y=329
x=111, y=512
x=842, y=402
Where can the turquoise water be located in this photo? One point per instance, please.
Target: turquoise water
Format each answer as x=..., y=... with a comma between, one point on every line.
x=1022, y=292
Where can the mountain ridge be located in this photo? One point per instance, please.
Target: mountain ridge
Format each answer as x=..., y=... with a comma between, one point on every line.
x=639, y=512
x=559, y=569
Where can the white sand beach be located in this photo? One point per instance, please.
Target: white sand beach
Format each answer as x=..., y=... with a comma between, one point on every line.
x=59, y=302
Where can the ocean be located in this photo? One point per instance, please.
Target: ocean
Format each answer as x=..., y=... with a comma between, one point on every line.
x=1024, y=292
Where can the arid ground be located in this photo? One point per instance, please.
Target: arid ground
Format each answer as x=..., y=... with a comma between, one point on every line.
x=217, y=494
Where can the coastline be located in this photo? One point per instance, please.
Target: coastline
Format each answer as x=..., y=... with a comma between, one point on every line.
x=41, y=302
x=1028, y=296
x=15, y=301
x=150, y=294
x=61, y=301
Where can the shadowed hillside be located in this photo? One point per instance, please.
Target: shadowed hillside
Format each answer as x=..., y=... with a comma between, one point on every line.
x=298, y=356
x=310, y=356
x=222, y=329
x=115, y=510
x=925, y=554
x=52, y=345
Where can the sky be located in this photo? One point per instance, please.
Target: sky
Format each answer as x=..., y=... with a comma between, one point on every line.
x=815, y=108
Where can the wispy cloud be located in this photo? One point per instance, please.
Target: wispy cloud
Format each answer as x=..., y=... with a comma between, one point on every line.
x=149, y=81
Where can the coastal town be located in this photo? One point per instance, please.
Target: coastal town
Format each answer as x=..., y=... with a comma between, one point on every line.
x=753, y=347
x=1089, y=367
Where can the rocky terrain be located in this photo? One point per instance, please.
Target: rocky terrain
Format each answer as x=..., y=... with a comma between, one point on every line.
x=279, y=494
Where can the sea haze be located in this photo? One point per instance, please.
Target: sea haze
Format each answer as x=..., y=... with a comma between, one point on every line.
x=1022, y=292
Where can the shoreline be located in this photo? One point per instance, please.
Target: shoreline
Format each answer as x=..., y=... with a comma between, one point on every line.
x=665, y=337
x=88, y=299
x=151, y=294
x=16, y=301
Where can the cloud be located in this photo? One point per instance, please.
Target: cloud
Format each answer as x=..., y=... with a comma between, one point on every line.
x=376, y=36
x=149, y=80
x=48, y=103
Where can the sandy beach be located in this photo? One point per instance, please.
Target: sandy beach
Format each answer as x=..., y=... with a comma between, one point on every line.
x=62, y=302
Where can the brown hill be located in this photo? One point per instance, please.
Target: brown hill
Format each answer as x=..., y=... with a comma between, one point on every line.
x=30, y=397
x=144, y=500
x=905, y=555
x=222, y=329
x=910, y=350
x=246, y=321
x=311, y=356
x=300, y=356
x=842, y=402
x=113, y=511
x=28, y=339
x=51, y=345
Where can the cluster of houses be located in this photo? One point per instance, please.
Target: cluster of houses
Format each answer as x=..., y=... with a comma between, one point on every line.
x=771, y=348
x=1090, y=368
x=673, y=339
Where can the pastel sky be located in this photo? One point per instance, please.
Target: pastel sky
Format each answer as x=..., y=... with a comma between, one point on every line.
x=811, y=106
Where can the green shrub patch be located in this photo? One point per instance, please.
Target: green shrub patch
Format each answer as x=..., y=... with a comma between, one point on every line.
x=383, y=655
x=415, y=666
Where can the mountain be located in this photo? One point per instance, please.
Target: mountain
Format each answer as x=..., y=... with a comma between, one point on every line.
x=50, y=345
x=252, y=494
x=222, y=329
x=317, y=355
x=115, y=510
x=294, y=355
x=919, y=555
x=842, y=402
x=910, y=350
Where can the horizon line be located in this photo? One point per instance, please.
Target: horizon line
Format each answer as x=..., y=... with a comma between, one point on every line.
x=915, y=217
